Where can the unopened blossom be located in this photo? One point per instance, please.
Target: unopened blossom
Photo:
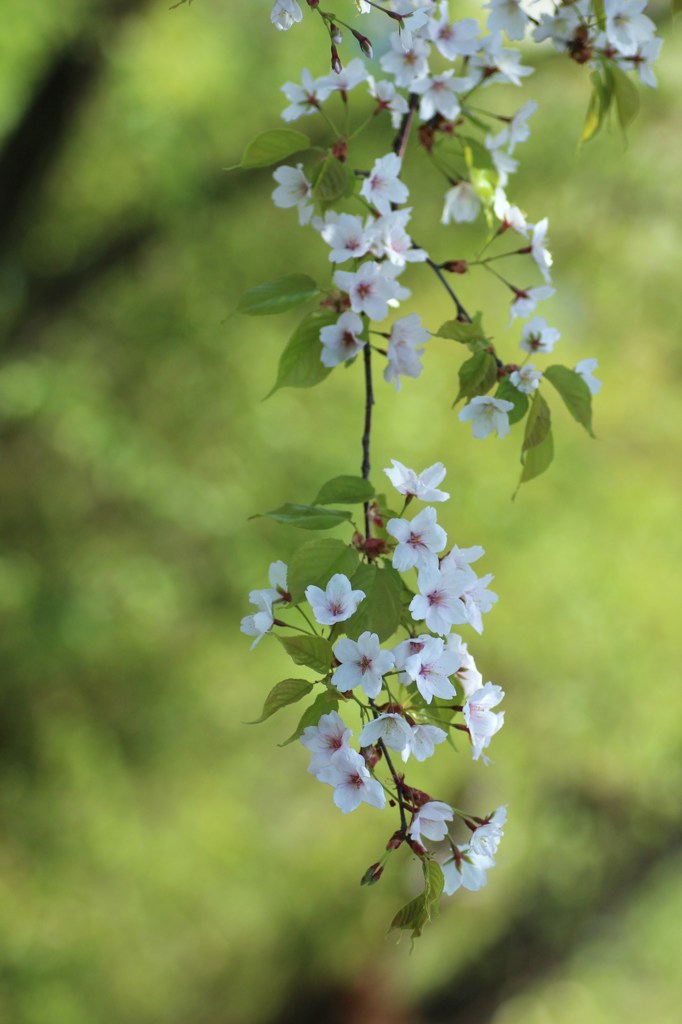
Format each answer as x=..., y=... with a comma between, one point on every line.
x=335, y=604
x=418, y=485
x=526, y=379
x=526, y=301
x=438, y=96
x=478, y=600
x=342, y=341
x=467, y=870
x=431, y=821
x=347, y=236
x=423, y=741
x=539, y=251
x=347, y=78
x=352, y=782
x=461, y=558
x=486, y=839
x=390, y=728
x=431, y=667
x=481, y=721
x=507, y=16
x=285, y=13
x=486, y=415
x=404, y=352
x=363, y=663
x=388, y=98
x=439, y=598
x=538, y=336
x=419, y=540
x=406, y=66
x=294, y=190
x=462, y=204
x=330, y=735
x=383, y=185
x=585, y=368
x=626, y=26
x=369, y=290
x=453, y=39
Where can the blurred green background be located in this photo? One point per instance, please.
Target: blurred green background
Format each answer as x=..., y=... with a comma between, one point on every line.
x=160, y=861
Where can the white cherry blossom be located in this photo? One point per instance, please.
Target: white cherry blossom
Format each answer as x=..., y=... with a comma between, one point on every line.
x=346, y=235
x=406, y=66
x=439, y=96
x=260, y=622
x=461, y=558
x=526, y=379
x=383, y=185
x=539, y=250
x=439, y=598
x=352, y=782
x=467, y=871
x=285, y=13
x=389, y=238
x=369, y=290
x=423, y=741
x=585, y=368
x=487, y=415
x=324, y=739
x=403, y=351
x=431, y=821
x=341, y=341
x=453, y=39
x=526, y=301
x=626, y=26
x=482, y=722
x=305, y=98
x=538, y=336
x=391, y=728
x=478, y=600
x=486, y=839
x=294, y=190
x=462, y=204
x=347, y=78
x=430, y=668
x=388, y=98
x=418, y=485
x=507, y=16
x=419, y=540
x=335, y=604
x=363, y=663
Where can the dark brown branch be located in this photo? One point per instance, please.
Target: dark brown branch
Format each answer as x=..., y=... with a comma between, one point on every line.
x=403, y=134
x=367, y=435
x=461, y=311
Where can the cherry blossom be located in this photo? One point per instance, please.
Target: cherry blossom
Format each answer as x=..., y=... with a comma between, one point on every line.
x=383, y=186
x=466, y=870
x=482, y=722
x=352, y=782
x=430, y=821
x=585, y=368
x=346, y=235
x=423, y=741
x=507, y=16
x=406, y=65
x=418, y=485
x=324, y=739
x=487, y=415
x=419, y=540
x=363, y=663
x=453, y=39
x=539, y=251
x=294, y=190
x=526, y=301
x=403, y=352
x=430, y=667
x=342, y=341
x=384, y=92
x=335, y=604
x=438, y=600
x=526, y=379
x=369, y=290
x=305, y=98
x=462, y=203
x=626, y=26
x=285, y=13
x=392, y=729
x=538, y=336
x=439, y=95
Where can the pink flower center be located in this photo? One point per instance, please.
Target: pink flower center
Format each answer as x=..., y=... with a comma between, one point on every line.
x=335, y=608
x=365, y=664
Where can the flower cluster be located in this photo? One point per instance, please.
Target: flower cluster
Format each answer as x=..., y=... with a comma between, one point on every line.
x=409, y=694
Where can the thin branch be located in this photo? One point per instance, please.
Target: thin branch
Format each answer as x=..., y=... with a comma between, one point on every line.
x=367, y=435
x=461, y=311
x=403, y=134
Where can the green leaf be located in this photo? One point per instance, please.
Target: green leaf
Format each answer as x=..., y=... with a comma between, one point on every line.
x=289, y=691
x=300, y=365
x=433, y=881
x=272, y=146
x=538, y=423
x=471, y=334
x=574, y=392
x=307, y=517
x=316, y=562
x=537, y=460
x=412, y=917
x=312, y=651
x=379, y=612
x=600, y=102
x=345, y=490
x=332, y=181
x=676, y=6
x=322, y=705
x=509, y=393
x=278, y=296
x=600, y=13
x=477, y=375
x=627, y=97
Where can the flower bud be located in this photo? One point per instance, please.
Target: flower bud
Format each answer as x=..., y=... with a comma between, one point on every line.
x=372, y=874
x=337, y=66
x=364, y=43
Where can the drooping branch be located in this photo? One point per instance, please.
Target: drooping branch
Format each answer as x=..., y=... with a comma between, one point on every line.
x=367, y=435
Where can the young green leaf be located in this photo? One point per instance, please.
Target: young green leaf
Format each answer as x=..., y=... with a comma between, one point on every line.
x=537, y=460
x=316, y=562
x=307, y=517
x=574, y=392
x=476, y=376
x=538, y=423
x=272, y=146
x=412, y=917
x=289, y=691
x=379, y=612
x=333, y=181
x=627, y=97
x=345, y=490
x=278, y=296
x=322, y=705
x=471, y=334
x=300, y=365
x=312, y=651
x=509, y=393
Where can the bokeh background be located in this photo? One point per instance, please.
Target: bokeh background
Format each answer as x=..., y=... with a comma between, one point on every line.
x=162, y=863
